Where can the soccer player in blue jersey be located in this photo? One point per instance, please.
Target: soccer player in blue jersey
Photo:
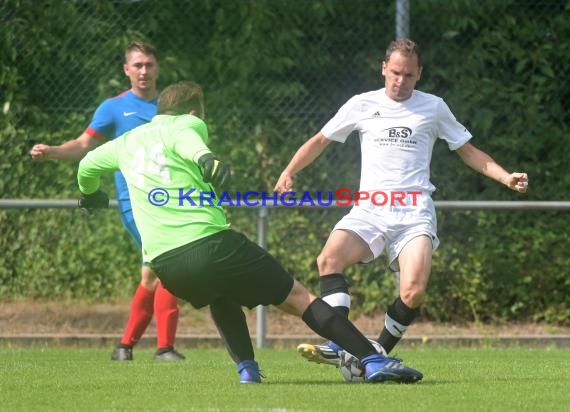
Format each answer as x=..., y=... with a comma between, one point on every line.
x=112, y=118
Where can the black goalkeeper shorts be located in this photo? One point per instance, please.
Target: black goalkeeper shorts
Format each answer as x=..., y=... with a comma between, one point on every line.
x=224, y=265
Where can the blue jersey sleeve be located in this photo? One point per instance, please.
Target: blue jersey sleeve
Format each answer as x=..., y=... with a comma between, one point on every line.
x=104, y=122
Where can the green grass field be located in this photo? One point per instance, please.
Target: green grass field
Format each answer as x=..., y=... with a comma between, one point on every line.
x=483, y=379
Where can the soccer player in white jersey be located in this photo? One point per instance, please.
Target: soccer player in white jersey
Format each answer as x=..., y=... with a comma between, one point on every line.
x=398, y=127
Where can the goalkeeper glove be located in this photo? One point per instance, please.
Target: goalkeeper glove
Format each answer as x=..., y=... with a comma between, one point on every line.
x=96, y=200
x=214, y=171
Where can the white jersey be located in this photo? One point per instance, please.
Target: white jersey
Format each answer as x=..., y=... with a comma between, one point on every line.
x=396, y=138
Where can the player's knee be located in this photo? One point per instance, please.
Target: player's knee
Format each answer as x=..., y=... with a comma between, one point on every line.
x=298, y=300
x=328, y=263
x=413, y=297
x=148, y=278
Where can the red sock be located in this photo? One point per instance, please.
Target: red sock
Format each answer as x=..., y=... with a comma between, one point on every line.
x=140, y=317
x=166, y=311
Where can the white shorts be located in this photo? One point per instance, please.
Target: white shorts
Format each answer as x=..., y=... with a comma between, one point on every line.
x=391, y=228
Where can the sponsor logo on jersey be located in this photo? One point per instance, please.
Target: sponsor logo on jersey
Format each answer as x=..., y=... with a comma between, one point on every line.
x=127, y=114
x=399, y=131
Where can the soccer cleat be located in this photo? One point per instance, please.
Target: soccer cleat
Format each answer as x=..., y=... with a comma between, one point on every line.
x=329, y=353
x=249, y=372
x=380, y=368
x=168, y=354
x=122, y=353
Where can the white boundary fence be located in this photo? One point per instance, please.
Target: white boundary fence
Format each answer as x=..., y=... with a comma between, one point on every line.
x=262, y=224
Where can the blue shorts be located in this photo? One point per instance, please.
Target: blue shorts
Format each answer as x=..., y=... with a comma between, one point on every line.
x=129, y=223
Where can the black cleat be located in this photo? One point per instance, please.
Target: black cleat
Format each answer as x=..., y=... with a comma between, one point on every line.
x=121, y=353
x=168, y=354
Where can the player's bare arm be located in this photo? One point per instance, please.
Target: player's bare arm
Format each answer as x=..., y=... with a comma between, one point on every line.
x=72, y=150
x=306, y=154
x=484, y=164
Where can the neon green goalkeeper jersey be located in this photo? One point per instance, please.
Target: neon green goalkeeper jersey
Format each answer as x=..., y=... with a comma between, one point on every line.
x=172, y=205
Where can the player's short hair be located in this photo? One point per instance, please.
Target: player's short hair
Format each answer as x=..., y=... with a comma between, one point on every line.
x=139, y=46
x=181, y=98
x=405, y=47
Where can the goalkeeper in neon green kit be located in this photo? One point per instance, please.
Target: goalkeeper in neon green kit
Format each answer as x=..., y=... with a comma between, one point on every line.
x=168, y=165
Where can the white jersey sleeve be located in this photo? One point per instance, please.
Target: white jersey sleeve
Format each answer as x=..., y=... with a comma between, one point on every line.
x=344, y=121
x=449, y=129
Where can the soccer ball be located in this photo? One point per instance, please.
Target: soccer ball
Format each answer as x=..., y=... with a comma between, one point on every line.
x=350, y=367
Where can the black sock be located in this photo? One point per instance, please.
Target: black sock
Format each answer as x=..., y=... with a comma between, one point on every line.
x=398, y=317
x=328, y=323
x=335, y=284
x=232, y=326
